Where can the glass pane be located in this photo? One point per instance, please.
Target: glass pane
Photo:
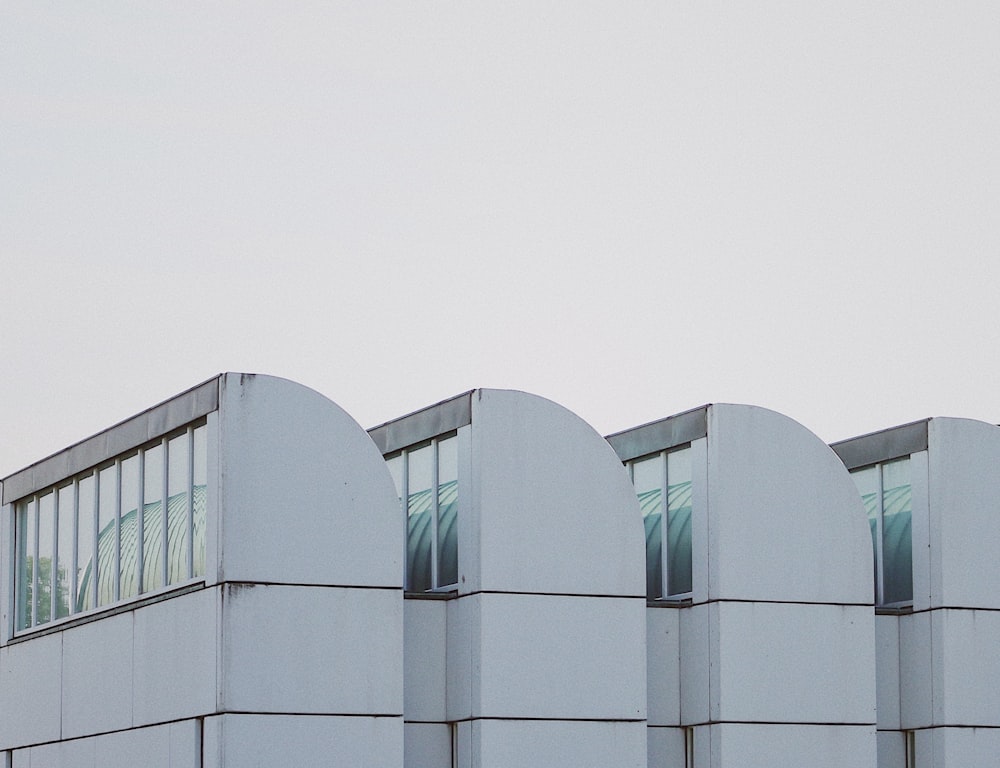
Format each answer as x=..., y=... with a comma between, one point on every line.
x=46, y=553
x=85, y=546
x=679, y=521
x=200, y=479
x=152, y=519
x=25, y=535
x=107, y=537
x=867, y=482
x=177, y=509
x=448, y=512
x=129, y=529
x=418, y=521
x=897, y=554
x=64, y=569
x=647, y=477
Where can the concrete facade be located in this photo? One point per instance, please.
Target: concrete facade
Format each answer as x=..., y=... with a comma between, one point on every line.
x=532, y=641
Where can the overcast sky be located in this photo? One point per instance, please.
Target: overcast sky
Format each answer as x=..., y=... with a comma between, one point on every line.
x=629, y=208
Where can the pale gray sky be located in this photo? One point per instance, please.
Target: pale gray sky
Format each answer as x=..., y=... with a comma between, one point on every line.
x=630, y=208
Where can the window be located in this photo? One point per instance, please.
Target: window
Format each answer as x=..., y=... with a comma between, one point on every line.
x=665, y=475
x=886, y=491
x=426, y=475
x=141, y=517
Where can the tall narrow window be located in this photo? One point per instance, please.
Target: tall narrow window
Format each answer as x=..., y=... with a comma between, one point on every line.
x=887, y=493
x=663, y=484
x=426, y=476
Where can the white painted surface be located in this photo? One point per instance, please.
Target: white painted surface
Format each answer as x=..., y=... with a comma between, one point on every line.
x=263, y=741
x=698, y=646
x=961, y=747
x=555, y=509
x=561, y=657
x=887, y=671
x=305, y=496
x=558, y=744
x=965, y=504
x=791, y=663
x=318, y=650
x=970, y=690
x=175, y=647
x=425, y=643
x=426, y=745
x=665, y=747
x=785, y=520
x=919, y=671
x=97, y=676
x=891, y=749
x=174, y=745
x=663, y=673
x=30, y=687
x=738, y=745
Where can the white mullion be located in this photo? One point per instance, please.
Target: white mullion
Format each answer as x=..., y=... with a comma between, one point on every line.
x=34, y=562
x=95, y=560
x=164, y=538
x=665, y=553
x=118, y=530
x=879, y=536
x=140, y=525
x=74, y=563
x=406, y=518
x=434, y=513
x=189, y=554
x=54, y=567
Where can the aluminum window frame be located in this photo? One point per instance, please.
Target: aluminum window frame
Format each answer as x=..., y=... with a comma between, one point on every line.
x=27, y=511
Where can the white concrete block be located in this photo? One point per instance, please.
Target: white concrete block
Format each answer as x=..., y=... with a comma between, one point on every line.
x=298, y=471
x=78, y=753
x=549, y=494
x=242, y=741
x=185, y=744
x=970, y=694
x=887, y=671
x=97, y=677
x=425, y=643
x=891, y=749
x=744, y=745
x=426, y=745
x=312, y=650
x=795, y=663
x=663, y=669
x=965, y=508
x=562, y=657
x=558, y=744
x=785, y=519
x=30, y=687
x=462, y=673
x=21, y=758
x=696, y=649
x=665, y=747
x=148, y=747
x=918, y=669
x=174, y=664
x=965, y=747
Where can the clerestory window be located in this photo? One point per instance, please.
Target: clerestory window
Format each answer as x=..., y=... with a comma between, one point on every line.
x=663, y=484
x=426, y=476
x=127, y=527
x=886, y=491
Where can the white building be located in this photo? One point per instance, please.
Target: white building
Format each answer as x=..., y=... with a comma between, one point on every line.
x=230, y=579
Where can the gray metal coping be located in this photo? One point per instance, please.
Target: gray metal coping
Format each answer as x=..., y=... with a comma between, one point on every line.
x=434, y=420
x=152, y=423
x=884, y=445
x=661, y=434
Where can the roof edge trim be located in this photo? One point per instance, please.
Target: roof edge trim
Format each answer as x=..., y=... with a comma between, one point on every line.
x=434, y=420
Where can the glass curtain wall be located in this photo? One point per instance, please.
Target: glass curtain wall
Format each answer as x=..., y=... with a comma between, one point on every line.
x=112, y=514
x=663, y=484
x=886, y=489
x=426, y=475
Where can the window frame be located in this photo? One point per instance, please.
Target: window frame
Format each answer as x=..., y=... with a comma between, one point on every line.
x=665, y=555
x=27, y=512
